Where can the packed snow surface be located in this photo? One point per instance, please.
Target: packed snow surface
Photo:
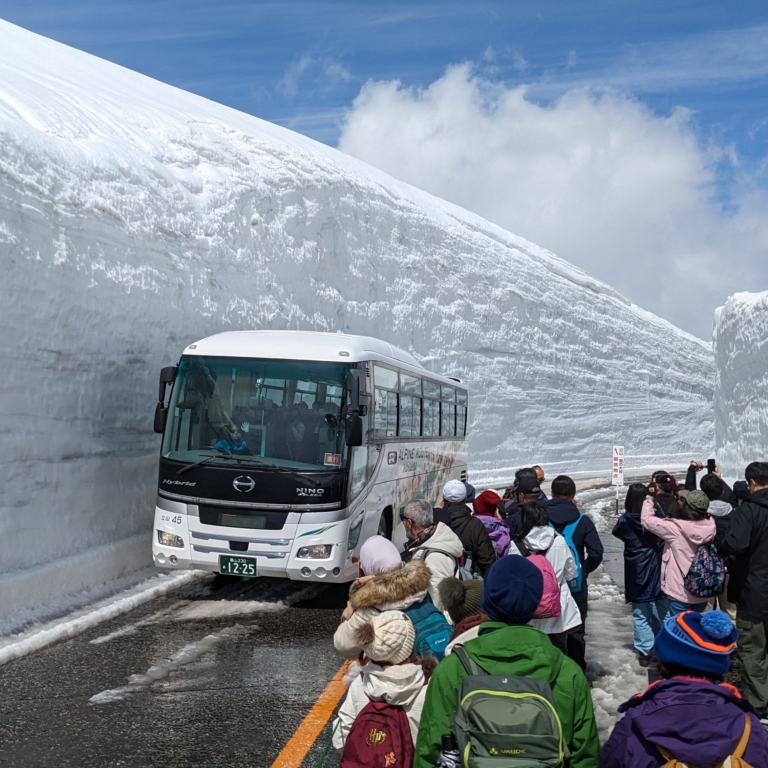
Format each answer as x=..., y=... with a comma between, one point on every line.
x=741, y=389
x=136, y=218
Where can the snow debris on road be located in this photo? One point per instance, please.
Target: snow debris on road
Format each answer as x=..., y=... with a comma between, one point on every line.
x=186, y=655
x=15, y=646
x=609, y=643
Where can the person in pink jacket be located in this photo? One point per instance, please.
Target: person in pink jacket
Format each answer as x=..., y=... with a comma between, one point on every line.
x=683, y=532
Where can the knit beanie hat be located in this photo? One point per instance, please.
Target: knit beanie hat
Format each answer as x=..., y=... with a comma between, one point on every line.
x=454, y=491
x=696, y=500
x=387, y=637
x=379, y=555
x=512, y=590
x=470, y=497
x=699, y=641
x=486, y=503
x=461, y=598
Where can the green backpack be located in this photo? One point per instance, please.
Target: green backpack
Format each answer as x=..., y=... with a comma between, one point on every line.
x=506, y=722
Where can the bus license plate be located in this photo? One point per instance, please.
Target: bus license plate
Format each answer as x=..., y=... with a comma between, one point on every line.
x=237, y=566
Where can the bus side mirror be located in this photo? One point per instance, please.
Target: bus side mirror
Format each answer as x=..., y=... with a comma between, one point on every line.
x=353, y=430
x=353, y=423
x=161, y=416
x=167, y=376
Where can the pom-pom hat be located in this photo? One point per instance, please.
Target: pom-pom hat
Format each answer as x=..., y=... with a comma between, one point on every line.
x=461, y=598
x=699, y=641
x=387, y=637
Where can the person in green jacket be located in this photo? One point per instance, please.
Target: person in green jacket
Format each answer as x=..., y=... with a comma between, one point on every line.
x=506, y=646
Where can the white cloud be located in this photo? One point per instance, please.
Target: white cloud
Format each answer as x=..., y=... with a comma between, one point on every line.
x=596, y=177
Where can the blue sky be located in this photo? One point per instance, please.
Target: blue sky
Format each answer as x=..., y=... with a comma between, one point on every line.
x=303, y=65
x=300, y=64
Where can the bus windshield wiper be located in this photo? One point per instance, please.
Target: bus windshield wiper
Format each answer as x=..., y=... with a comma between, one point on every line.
x=184, y=470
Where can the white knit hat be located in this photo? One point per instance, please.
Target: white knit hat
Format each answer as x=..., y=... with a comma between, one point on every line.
x=387, y=637
x=454, y=490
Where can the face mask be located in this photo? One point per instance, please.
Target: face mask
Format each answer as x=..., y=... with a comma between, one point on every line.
x=409, y=534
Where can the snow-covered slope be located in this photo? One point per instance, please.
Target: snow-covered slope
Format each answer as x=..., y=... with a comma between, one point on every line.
x=135, y=218
x=741, y=390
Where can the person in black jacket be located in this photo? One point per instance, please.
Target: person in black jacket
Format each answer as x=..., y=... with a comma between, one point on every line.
x=642, y=573
x=473, y=534
x=563, y=512
x=664, y=489
x=690, y=481
x=527, y=491
x=747, y=540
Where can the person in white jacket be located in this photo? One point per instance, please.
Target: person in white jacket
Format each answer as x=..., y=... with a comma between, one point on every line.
x=391, y=672
x=538, y=537
x=437, y=545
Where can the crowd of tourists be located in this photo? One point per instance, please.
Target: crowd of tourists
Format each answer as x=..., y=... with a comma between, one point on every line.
x=470, y=644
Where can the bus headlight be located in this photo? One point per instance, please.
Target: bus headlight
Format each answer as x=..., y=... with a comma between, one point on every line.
x=315, y=552
x=169, y=539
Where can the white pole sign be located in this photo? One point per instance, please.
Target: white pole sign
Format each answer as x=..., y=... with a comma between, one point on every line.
x=617, y=476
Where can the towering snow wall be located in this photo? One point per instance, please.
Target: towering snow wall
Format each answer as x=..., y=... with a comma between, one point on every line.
x=741, y=387
x=136, y=218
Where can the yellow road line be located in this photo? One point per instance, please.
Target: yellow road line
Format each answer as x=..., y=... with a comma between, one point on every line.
x=312, y=725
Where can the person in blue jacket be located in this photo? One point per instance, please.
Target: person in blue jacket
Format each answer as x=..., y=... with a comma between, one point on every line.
x=642, y=572
x=566, y=519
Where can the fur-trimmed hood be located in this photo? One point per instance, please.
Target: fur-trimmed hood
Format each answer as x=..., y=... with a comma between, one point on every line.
x=389, y=589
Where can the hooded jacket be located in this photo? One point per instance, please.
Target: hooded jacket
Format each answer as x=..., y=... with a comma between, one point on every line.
x=402, y=685
x=698, y=722
x=721, y=514
x=440, y=565
x=682, y=538
x=748, y=536
x=642, y=559
x=586, y=539
x=391, y=591
x=474, y=538
x=502, y=649
x=553, y=546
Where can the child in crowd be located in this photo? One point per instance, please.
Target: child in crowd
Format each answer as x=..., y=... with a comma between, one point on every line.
x=690, y=715
x=391, y=673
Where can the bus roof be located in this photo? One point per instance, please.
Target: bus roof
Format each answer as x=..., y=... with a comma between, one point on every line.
x=306, y=345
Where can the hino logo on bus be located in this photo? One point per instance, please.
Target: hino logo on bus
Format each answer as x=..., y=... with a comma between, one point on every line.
x=179, y=482
x=310, y=491
x=243, y=483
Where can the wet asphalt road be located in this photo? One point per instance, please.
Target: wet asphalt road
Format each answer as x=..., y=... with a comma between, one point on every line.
x=233, y=699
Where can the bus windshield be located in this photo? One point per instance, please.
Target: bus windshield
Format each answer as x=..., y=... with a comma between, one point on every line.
x=276, y=412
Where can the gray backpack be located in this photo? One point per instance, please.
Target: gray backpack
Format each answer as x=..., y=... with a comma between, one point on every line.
x=506, y=722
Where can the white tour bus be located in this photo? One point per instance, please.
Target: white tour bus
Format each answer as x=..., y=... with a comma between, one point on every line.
x=282, y=451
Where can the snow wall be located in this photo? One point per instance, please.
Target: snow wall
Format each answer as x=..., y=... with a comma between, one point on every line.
x=741, y=384
x=136, y=218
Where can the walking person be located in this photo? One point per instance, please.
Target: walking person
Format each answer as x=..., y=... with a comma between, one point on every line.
x=538, y=537
x=584, y=540
x=486, y=510
x=642, y=572
x=747, y=542
x=455, y=513
x=434, y=543
x=507, y=646
x=394, y=677
x=690, y=715
x=689, y=527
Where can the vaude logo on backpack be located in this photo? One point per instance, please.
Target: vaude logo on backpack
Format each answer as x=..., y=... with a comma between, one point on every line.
x=506, y=721
x=380, y=736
